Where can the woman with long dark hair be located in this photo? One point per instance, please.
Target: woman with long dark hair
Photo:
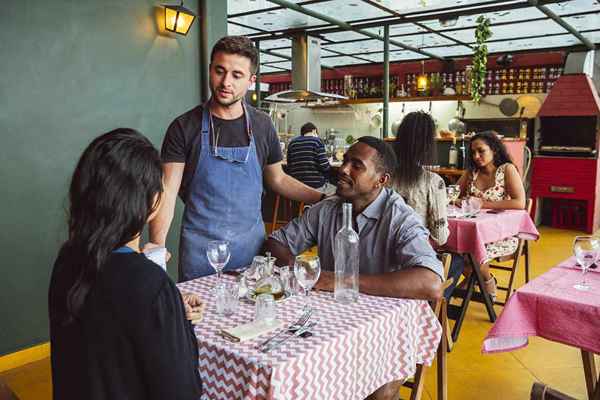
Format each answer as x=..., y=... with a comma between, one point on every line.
x=423, y=190
x=118, y=326
x=495, y=181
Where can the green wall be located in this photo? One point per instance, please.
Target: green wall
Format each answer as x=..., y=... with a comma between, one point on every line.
x=69, y=71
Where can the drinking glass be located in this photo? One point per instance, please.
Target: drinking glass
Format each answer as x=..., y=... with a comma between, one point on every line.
x=218, y=255
x=307, y=270
x=585, y=249
x=452, y=192
x=266, y=309
x=227, y=296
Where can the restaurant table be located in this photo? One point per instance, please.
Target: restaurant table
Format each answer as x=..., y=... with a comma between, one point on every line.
x=468, y=236
x=355, y=348
x=550, y=307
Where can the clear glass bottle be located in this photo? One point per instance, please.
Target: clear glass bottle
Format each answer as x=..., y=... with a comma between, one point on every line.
x=346, y=260
x=268, y=281
x=453, y=154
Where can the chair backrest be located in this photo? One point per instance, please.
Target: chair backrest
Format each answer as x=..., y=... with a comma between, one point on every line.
x=540, y=391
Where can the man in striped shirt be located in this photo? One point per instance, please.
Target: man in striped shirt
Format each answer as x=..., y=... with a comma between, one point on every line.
x=307, y=160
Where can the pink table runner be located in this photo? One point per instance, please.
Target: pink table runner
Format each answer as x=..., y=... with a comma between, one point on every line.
x=355, y=348
x=469, y=235
x=550, y=307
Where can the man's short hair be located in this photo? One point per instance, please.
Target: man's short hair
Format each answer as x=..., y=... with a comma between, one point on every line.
x=307, y=127
x=385, y=161
x=239, y=45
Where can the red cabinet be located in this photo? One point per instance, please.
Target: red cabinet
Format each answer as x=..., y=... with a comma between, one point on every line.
x=567, y=178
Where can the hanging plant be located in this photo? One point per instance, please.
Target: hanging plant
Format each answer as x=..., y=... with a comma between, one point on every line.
x=482, y=34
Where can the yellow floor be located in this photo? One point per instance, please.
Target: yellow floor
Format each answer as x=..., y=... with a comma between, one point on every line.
x=471, y=375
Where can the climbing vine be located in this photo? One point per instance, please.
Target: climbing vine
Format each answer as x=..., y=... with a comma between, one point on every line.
x=480, y=52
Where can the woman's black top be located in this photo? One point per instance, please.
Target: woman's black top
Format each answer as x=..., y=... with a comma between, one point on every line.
x=132, y=340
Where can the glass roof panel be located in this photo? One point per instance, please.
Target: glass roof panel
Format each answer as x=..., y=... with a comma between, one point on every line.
x=521, y=14
x=574, y=6
x=536, y=43
x=412, y=6
x=405, y=55
x=275, y=43
x=345, y=35
x=584, y=22
x=593, y=37
x=450, y=51
x=265, y=69
x=268, y=58
x=347, y=10
x=342, y=60
x=240, y=6
x=233, y=29
x=362, y=46
x=424, y=39
x=522, y=29
x=285, y=65
x=278, y=20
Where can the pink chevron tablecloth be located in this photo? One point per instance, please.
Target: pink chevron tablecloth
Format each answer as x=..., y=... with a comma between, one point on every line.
x=354, y=349
x=470, y=235
x=550, y=307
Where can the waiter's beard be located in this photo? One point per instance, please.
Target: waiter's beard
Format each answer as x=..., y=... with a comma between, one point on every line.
x=228, y=103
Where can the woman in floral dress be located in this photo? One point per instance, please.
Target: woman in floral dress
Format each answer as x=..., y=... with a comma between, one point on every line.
x=493, y=178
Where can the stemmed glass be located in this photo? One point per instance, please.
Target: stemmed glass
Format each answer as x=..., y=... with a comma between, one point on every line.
x=452, y=193
x=307, y=270
x=586, y=252
x=218, y=255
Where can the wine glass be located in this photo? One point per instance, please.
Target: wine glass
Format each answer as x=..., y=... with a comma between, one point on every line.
x=307, y=269
x=218, y=255
x=452, y=193
x=586, y=252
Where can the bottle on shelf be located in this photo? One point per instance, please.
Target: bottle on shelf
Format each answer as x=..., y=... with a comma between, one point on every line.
x=462, y=152
x=453, y=154
x=346, y=260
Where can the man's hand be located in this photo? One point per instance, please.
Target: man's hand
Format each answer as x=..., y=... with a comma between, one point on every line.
x=194, y=308
x=326, y=281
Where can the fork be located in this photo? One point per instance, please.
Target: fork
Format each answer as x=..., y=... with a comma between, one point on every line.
x=304, y=329
x=291, y=328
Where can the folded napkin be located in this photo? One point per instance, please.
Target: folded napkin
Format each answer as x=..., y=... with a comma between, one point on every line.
x=250, y=330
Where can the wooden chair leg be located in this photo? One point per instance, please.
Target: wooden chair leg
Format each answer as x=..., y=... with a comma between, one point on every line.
x=590, y=372
x=526, y=253
x=419, y=383
x=6, y=393
x=442, y=354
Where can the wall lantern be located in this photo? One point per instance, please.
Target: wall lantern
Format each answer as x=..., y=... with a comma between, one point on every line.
x=178, y=19
x=422, y=81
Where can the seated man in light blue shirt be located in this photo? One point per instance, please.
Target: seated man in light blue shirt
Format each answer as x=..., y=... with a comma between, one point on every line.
x=396, y=259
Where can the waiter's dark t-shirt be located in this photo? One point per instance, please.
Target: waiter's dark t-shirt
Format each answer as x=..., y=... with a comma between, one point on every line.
x=181, y=143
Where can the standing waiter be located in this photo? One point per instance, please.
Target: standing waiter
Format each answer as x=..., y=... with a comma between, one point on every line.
x=216, y=157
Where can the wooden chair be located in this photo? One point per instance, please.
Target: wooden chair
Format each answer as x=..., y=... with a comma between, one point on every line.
x=289, y=206
x=541, y=391
x=522, y=250
x=440, y=309
x=6, y=393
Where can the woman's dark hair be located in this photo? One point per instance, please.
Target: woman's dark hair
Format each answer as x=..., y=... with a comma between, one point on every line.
x=490, y=138
x=116, y=185
x=414, y=147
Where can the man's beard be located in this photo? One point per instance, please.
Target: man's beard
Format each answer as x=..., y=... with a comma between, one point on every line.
x=227, y=103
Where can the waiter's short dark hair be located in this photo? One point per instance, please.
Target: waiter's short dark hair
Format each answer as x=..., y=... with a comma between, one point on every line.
x=386, y=158
x=307, y=127
x=239, y=45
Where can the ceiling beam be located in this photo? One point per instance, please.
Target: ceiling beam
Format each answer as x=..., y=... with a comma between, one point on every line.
x=556, y=18
x=349, y=27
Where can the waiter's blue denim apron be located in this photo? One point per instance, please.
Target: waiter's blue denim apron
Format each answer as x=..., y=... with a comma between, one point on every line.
x=223, y=203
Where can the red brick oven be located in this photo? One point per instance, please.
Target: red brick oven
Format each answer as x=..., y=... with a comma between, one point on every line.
x=566, y=163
